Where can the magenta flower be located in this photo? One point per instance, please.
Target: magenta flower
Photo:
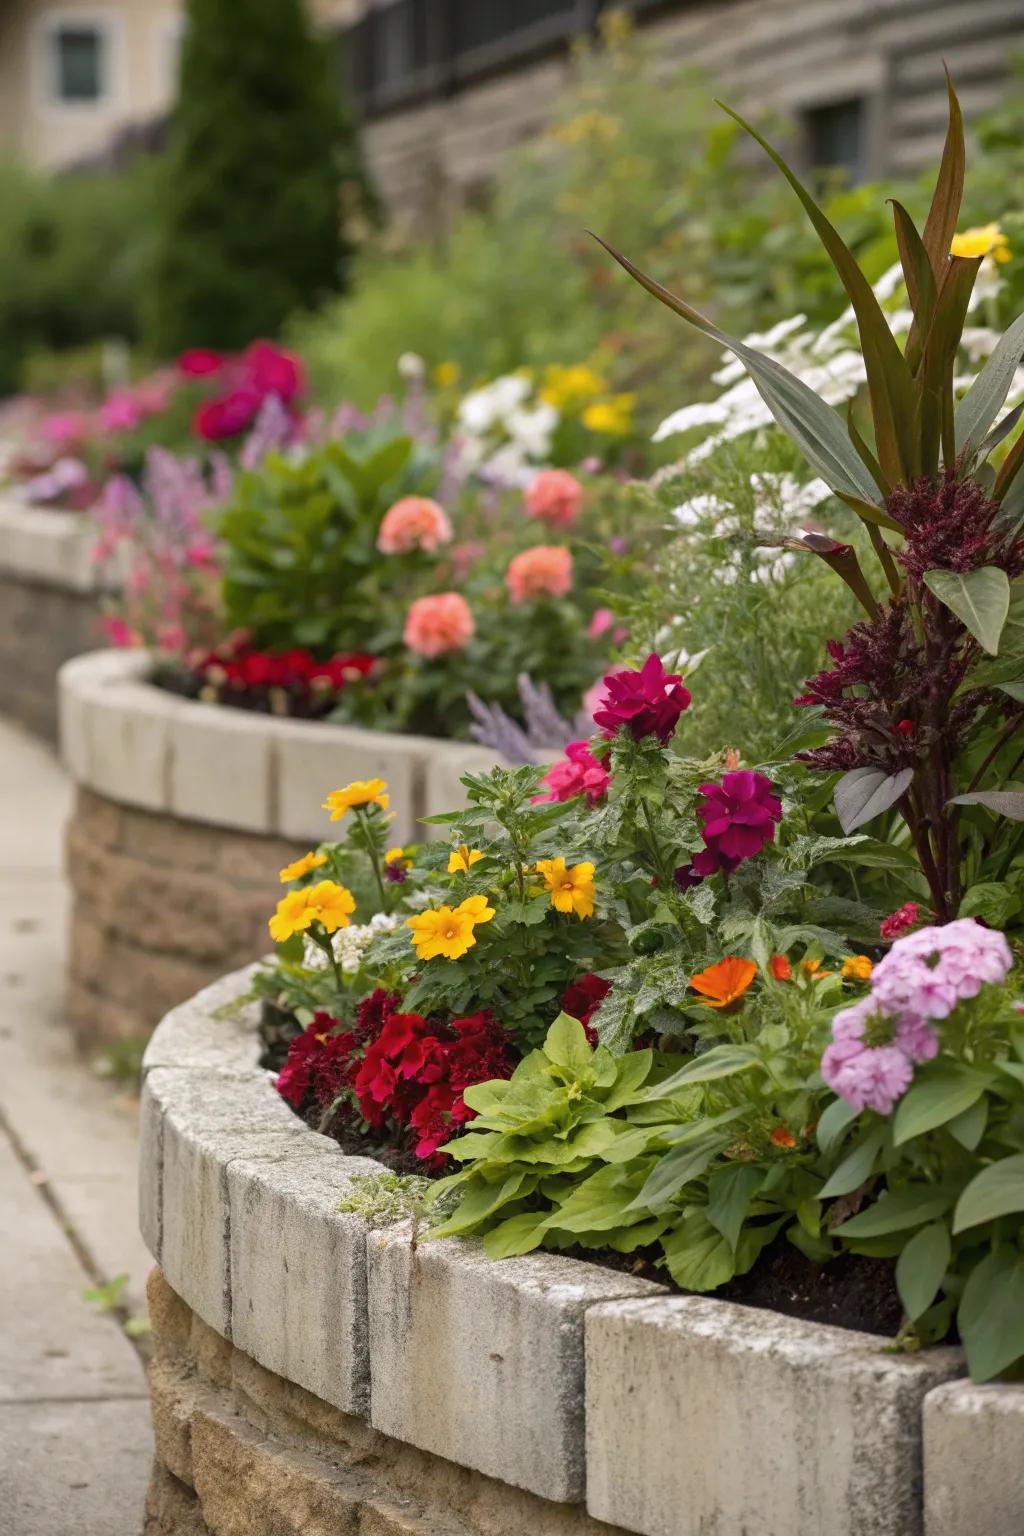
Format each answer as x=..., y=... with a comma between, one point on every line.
x=739, y=815
x=647, y=702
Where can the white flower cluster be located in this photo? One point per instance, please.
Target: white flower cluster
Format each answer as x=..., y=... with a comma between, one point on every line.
x=350, y=944
x=503, y=436
x=781, y=506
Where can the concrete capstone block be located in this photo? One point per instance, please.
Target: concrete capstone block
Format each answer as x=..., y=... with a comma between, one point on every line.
x=220, y=767
x=208, y=1030
x=707, y=1419
x=481, y=1361
x=973, y=1460
x=313, y=759
x=445, y=766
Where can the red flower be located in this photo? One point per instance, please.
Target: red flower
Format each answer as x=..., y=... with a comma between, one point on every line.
x=227, y=415
x=782, y=1136
x=578, y=773
x=296, y=1077
x=270, y=370
x=899, y=921
x=780, y=968
x=200, y=363
x=706, y=862
x=648, y=702
x=739, y=815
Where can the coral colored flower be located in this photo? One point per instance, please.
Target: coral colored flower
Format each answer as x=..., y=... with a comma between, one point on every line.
x=448, y=931
x=782, y=1136
x=544, y=570
x=554, y=496
x=359, y=792
x=436, y=625
x=857, y=968
x=302, y=867
x=986, y=240
x=899, y=921
x=739, y=815
x=578, y=773
x=415, y=522
x=572, y=890
x=200, y=363
x=461, y=859
x=780, y=968
x=647, y=702
x=326, y=903
x=725, y=981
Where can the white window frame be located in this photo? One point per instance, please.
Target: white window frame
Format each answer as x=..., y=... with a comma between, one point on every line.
x=111, y=29
x=168, y=37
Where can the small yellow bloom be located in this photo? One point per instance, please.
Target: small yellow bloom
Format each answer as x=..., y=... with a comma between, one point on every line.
x=359, y=792
x=397, y=856
x=568, y=389
x=326, y=902
x=986, y=240
x=857, y=968
x=572, y=890
x=302, y=867
x=460, y=859
x=447, y=374
x=612, y=417
x=448, y=931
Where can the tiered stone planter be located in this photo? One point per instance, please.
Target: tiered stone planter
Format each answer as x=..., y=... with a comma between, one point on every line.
x=315, y=1375
x=184, y=814
x=50, y=590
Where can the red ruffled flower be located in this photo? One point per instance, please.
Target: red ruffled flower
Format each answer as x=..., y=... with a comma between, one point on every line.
x=899, y=921
x=647, y=703
x=296, y=1077
x=739, y=815
x=583, y=998
x=200, y=363
x=270, y=370
x=227, y=415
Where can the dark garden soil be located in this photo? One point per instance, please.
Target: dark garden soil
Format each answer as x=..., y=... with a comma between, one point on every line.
x=852, y=1291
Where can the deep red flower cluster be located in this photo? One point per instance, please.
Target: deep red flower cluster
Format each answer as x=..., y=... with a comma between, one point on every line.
x=398, y=1070
x=249, y=678
x=582, y=1000
x=245, y=382
x=739, y=817
x=647, y=702
x=947, y=524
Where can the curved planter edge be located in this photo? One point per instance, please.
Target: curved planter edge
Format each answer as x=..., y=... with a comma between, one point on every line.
x=48, y=547
x=667, y=1415
x=141, y=746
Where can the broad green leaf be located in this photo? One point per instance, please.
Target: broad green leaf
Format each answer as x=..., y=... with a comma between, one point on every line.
x=997, y=1190
x=566, y=1044
x=515, y=1235
x=601, y=1202
x=938, y=1095
x=675, y=1169
x=722, y=1061
x=812, y=424
x=993, y=900
x=969, y=1127
x=481, y=1201
x=921, y=1266
x=698, y=1257
x=730, y=1191
x=864, y=793
x=1004, y=802
x=895, y=1213
x=991, y=1315
x=980, y=599
x=833, y=1123
x=856, y=1166
x=984, y=400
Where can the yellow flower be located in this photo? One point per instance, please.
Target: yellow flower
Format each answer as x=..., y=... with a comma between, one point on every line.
x=359, y=792
x=986, y=240
x=567, y=389
x=326, y=903
x=572, y=890
x=460, y=859
x=613, y=417
x=587, y=125
x=857, y=968
x=395, y=856
x=448, y=931
x=302, y=867
x=447, y=374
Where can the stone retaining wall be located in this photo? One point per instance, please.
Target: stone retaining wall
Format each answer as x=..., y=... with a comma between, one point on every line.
x=49, y=608
x=317, y=1374
x=184, y=815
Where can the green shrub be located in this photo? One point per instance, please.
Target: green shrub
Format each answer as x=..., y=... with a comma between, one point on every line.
x=251, y=212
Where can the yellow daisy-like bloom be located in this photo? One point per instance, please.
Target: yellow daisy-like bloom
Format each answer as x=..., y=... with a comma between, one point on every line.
x=359, y=792
x=986, y=240
x=302, y=867
x=568, y=389
x=326, y=902
x=397, y=856
x=460, y=859
x=612, y=417
x=857, y=968
x=572, y=890
x=447, y=374
x=448, y=931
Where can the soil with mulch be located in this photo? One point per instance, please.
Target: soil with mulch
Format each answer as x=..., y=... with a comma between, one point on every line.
x=852, y=1291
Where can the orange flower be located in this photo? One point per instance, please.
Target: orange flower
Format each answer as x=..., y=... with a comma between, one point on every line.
x=780, y=968
x=813, y=969
x=782, y=1136
x=722, y=983
x=857, y=968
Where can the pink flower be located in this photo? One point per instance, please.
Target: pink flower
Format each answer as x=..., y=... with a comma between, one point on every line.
x=929, y=972
x=118, y=632
x=227, y=415
x=271, y=370
x=121, y=412
x=555, y=497
x=739, y=815
x=545, y=570
x=647, y=702
x=868, y=1077
x=899, y=921
x=415, y=522
x=579, y=773
x=601, y=623
x=436, y=625
x=65, y=428
x=200, y=363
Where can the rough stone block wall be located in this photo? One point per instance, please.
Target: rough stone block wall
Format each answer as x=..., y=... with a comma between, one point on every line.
x=160, y=907
x=241, y=1451
x=41, y=627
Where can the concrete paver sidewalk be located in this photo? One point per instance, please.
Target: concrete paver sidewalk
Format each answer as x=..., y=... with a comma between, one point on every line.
x=75, y=1441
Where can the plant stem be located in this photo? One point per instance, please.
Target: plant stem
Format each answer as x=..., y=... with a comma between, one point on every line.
x=374, y=853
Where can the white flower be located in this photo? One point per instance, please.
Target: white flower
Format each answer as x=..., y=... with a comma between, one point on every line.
x=531, y=429
x=690, y=514
x=411, y=365
x=349, y=944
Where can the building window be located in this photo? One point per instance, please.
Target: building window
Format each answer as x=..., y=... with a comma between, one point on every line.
x=79, y=62
x=835, y=137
